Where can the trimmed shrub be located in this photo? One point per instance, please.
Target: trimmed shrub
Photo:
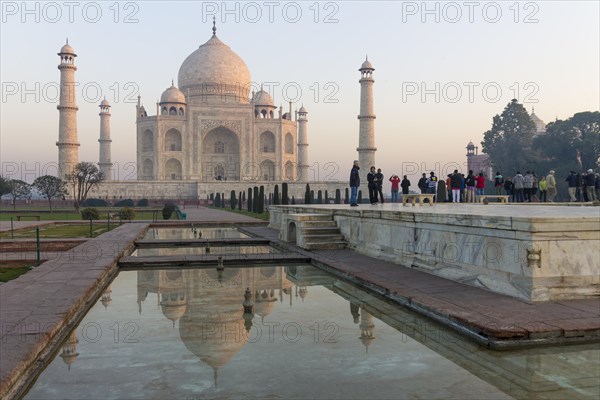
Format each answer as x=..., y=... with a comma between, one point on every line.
x=307, y=196
x=359, y=197
x=241, y=202
x=347, y=196
x=256, y=200
x=293, y=201
x=94, y=203
x=142, y=203
x=319, y=197
x=338, y=196
x=127, y=213
x=232, y=200
x=167, y=210
x=90, y=213
x=218, y=200
x=250, y=207
x=124, y=203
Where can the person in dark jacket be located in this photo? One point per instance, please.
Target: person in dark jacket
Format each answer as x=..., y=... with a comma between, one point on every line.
x=422, y=184
x=573, y=181
x=470, y=182
x=455, y=181
x=405, y=184
x=590, y=183
x=379, y=182
x=354, y=183
x=372, y=182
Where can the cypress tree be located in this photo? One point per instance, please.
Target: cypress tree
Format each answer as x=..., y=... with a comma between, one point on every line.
x=250, y=208
x=276, y=200
x=218, y=200
x=359, y=200
x=347, y=196
x=284, y=194
x=256, y=201
x=319, y=197
x=338, y=196
x=232, y=200
x=307, y=196
x=293, y=201
x=222, y=200
x=261, y=200
x=241, y=201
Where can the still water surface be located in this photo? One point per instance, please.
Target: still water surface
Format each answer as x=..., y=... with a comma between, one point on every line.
x=183, y=334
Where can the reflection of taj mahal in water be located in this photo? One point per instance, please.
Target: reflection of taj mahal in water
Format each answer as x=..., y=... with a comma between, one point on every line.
x=206, y=306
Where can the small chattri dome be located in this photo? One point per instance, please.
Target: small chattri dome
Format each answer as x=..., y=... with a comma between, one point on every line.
x=367, y=65
x=104, y=103
x=471, y=144
x=172, y=95
x=67, y=49
x=303, y=110
x=262, y=98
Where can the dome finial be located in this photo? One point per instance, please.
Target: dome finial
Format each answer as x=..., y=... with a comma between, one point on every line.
x=532, y=109
x=172, y=82
x=214, y=28
x=67, y=40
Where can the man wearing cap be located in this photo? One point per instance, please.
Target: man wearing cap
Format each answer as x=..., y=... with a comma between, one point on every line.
x=551, y=186
x=573, y=182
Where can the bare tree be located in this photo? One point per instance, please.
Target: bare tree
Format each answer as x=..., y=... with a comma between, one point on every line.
x=51, y=187
x=85, y=177
x=18, y=190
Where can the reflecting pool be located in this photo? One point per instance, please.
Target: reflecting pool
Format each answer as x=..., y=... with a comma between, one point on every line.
x=193, y=232
x=183, y=333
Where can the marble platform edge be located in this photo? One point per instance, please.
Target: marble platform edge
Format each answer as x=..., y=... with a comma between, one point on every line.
x=491, y=334
x=25, y=370
x=497, y=337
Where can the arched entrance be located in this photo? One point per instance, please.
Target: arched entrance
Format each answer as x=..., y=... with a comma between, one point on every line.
x=220, y=155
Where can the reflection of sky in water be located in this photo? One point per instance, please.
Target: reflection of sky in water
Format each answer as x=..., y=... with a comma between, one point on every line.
x=188, y=233
x=174, y=333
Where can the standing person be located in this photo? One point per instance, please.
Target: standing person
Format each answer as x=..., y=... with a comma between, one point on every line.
x=462, y=187
x=372, y=186
x=379, y=182
x=470, y=182
x=528, y=185
x=519, y=185
x=449, y=188
x=455, y=185
x=395, y=181
x=543, y=186
x=479, y=184
x=354, y=183
x=422, y=184
x=498, y=182
x=508, y=187
x=590, y=185
x=551, y=185
x=405, y=184
x=597, y=186
x=432, y=183
x=572, y=182
x=534, y=188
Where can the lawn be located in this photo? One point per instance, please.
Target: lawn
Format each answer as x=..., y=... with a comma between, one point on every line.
x=69, y=214
x=58, y=231
x=10, y=270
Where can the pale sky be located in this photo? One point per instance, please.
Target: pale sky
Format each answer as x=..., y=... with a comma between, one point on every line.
x=545, y=53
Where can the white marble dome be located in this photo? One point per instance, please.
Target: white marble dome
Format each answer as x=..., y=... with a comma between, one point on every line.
x=262, y=98
x=214, y=63
x=172, y=95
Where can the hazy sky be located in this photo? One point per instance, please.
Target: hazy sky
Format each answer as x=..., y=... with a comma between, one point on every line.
x=443, y=70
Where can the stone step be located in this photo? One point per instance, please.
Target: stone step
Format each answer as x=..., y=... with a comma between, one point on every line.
x=322, y=231
x=313, y=217
x=324, y=238
x=325, y=245
x=318, y=224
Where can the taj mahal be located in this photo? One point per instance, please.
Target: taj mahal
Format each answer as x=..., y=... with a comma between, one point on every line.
x=210, y=133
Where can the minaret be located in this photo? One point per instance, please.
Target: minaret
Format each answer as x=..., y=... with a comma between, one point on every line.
x=366, y=139
x=303, y=171
x=367, y=329
x=67, y=108
x=104, y=157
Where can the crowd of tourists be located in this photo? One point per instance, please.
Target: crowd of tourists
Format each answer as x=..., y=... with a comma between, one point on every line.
x=463, y=189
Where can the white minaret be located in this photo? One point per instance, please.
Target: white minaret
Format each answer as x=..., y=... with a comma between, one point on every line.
x=366, y=139
x=104, y=158
x=67, y=109
x=303, y=170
